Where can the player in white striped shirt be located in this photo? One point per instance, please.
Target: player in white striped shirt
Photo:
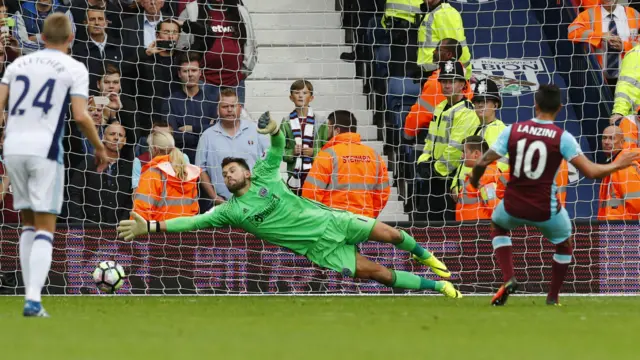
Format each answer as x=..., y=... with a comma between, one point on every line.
x=39, y=87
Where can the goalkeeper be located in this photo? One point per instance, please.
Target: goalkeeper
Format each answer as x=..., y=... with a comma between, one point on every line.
x=263, y=205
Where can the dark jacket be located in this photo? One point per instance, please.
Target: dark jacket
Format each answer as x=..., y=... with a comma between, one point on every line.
x=114, y=13
x=152, y=79
x=88, y=53
x=100, y=197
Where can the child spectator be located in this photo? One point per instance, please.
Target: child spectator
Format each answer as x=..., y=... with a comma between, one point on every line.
x=168, y=185
x=472, y=203
x=305, y=136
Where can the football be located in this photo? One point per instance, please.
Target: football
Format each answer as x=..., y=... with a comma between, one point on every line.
x=109, y=276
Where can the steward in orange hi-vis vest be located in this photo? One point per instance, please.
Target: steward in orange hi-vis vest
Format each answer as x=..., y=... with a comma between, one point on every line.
x=588, y=28
x=472, y=203
x=168, y=186
x=346, y=174
x=620, y=191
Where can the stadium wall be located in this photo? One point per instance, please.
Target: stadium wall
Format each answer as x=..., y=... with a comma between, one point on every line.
x=230, y=261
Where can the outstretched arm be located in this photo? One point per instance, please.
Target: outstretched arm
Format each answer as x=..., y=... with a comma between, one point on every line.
x=217, y=217
x=598, y=171
x=269, y=168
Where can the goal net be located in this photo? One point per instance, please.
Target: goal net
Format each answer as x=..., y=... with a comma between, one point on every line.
x=340, y=47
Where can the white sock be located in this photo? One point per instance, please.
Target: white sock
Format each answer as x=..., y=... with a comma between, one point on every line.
x=26, y=242
x=39, y=264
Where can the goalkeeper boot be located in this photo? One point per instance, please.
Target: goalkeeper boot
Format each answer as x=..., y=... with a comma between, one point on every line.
x=437, y=266
x=34, y=309
x=450, y=291
x=508, y=288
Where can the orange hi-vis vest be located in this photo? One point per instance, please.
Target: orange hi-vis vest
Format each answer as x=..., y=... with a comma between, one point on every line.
x=629, y=126
x=562, y=181
x=588, y=4
x=587, y=28
x=477, y=204
x=162, y=196
x=620, y=194
x=422, y=111
x=350, y=176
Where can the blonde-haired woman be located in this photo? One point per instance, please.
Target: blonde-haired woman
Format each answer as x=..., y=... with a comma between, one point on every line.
x=168, y=185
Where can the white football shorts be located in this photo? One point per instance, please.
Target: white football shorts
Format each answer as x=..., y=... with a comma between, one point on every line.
x=38, y=183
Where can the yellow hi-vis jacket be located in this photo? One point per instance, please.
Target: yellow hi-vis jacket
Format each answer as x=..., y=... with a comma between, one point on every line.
x=490, y=134
x=448, y=129
x=627, y=96
x=403, y=9
x=441, y=23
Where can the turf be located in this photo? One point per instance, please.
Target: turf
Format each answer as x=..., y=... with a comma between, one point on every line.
x=321, y=328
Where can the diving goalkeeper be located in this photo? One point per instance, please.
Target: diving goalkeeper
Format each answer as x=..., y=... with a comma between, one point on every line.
x=263, y=205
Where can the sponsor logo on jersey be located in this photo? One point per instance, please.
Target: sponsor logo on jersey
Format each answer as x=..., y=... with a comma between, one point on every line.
x=259, y=218
x=222, y=29
x=513, y=76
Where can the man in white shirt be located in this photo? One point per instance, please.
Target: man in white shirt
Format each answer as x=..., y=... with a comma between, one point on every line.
x=611, y=30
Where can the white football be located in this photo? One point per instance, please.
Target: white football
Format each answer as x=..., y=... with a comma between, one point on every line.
x=109, y=276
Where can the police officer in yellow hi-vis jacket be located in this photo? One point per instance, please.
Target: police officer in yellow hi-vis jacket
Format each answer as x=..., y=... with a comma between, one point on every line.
x=627, y=95
x=402, y=20
x=453, y=121
x=486, y=101
x=441, y=21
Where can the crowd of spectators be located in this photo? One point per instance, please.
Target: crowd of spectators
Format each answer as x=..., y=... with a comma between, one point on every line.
x=176, y=70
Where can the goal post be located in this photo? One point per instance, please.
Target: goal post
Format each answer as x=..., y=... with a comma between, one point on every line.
x=305, y=39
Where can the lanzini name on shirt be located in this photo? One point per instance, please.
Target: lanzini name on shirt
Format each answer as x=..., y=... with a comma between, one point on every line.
x=536, y=131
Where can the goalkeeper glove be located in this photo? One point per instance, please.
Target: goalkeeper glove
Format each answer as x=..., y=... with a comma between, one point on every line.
x=266, y=125
x=128, y=229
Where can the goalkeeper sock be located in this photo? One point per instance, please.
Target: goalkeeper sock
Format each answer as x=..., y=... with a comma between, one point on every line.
x=503, y=252
x=561, y=261
x=407, y=280
x=409, y=244
x=26, y=242
x=39, y=264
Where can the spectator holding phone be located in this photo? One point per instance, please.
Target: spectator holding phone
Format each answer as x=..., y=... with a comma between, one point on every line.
x=33, y=13
x=97, y=110
x=225, y=29
x=155, y=74
x=119, y=107
x=7, y=26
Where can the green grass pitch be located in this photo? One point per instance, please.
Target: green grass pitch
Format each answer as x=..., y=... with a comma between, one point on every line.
x=387, y=328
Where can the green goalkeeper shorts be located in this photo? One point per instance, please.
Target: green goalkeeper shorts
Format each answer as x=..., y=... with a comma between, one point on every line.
x=336, y=249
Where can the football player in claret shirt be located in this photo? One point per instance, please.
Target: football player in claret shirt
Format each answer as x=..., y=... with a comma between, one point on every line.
x=536, y=149
x=263, y=205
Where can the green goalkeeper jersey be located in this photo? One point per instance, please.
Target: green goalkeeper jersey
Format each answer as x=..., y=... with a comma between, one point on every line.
x=269, y=210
